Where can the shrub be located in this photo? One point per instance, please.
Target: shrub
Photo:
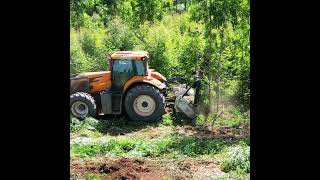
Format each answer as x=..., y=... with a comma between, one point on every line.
x=243, y=91
x=237, y=158
x=172, y=143
x=192, y=146
x=201, y=120
x=234, y=176
x=167, y=120
x=88, y=123
x=121, y=36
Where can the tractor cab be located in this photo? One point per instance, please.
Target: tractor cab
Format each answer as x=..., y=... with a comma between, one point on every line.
x=126, y=64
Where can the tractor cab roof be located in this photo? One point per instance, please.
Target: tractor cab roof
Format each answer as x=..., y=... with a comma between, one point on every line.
x=136, y=55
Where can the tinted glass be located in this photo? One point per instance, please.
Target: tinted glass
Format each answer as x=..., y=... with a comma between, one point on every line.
x=140, y=68
x=122, y=71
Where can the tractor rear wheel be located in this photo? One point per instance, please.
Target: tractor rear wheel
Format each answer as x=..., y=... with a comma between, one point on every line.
x=82, y=105
x=144, y=103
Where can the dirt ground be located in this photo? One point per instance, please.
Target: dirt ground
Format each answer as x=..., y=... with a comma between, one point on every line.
x=118, y=169
x=225, y=133
x=134, y=169
x=112, y=168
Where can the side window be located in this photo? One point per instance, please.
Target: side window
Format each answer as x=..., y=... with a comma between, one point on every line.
x=122, y=66
x=140, y=68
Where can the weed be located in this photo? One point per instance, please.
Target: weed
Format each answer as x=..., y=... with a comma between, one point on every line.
x=165, y=178
x=236, y=119
x=234, y=176
x=170, y=144
x=193, y=146
x=92, y=177
x=167, y=120
x=236, y=158
x=87, y=149
x=88, y=123
x=201, y=120
x=89, y=133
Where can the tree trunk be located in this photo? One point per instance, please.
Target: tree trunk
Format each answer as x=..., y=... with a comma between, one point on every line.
x=209, y=63
x=185, y=5
x=218, y=76
x=219, y=70
x=176, y=6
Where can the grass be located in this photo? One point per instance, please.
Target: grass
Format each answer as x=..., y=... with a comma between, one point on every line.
x=89, y=133
x=233, y=117
x=201, y=120
x=172, y=143
x=167, y=120
x=235, y=158
x=88, y=123
x=234, y=176
x=94, y=138
x=92, y=177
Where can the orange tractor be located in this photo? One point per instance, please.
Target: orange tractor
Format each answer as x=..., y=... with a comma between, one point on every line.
x=128, y=85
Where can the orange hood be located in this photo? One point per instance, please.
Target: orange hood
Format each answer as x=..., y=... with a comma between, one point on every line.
x=153, y=73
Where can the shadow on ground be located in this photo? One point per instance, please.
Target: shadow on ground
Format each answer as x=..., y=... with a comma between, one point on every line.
x=121, y=125
x=116, y=125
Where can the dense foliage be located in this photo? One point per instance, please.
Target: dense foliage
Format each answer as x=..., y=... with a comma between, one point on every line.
x=181, y=36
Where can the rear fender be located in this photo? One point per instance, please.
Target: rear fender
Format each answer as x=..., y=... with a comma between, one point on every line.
x=144, y=79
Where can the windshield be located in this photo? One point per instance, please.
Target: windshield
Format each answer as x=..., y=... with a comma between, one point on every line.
x=141, y=67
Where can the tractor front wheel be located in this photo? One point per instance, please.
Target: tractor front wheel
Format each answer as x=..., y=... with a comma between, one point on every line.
x=144, y=103
x=82, y=105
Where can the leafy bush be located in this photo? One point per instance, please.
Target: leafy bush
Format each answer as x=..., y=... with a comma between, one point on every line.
x=88, y=50
x=235, y=120
x=121, y=36
x=192, y=146
x=89, y=133
x=155, y=147
x=121, y=145
x=92, y=177
x=93, y=43
x=87, y=149
x=237, y=158
x=88, y=123
x=201, y=120
x=190, y=55
x=78, y=59
x=243, y=92
x=167, y=120
x=234, y=176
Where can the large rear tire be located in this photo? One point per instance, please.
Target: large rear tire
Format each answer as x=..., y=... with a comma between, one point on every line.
x=82, y=105
x=144, y=103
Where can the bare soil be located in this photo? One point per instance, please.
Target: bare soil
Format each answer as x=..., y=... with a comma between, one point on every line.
x=123, y=168
x=133, y=169
x=225, y=133
x=109, y=168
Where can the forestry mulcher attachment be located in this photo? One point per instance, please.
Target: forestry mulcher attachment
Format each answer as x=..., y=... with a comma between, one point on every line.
x=130, y=86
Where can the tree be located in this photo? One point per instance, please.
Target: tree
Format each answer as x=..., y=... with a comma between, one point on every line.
x=216, y=15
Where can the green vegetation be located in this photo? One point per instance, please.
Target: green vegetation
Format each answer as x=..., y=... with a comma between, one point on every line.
x=93, y=138
x=234, y=176
x=92, y=177
x=180, y=36
x=167, y=120
x=87, y=124
x=172, y=143
x=237, y=158
x=235, y=119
